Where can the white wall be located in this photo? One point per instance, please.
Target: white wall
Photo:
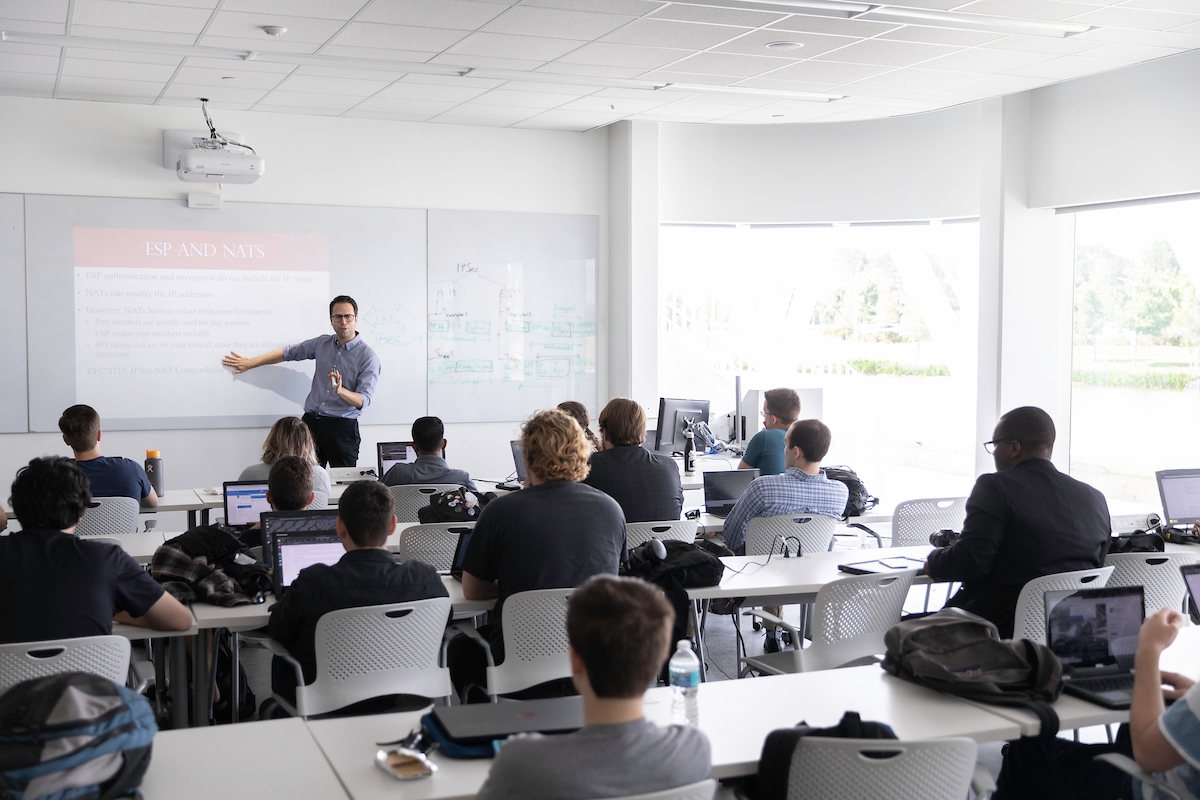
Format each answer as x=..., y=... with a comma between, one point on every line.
x=115, y=150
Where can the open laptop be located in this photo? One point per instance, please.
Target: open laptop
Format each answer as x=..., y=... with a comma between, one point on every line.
x=389, y=454
x=1179, y=490
x=483, y=723
x=518, y=451
x=293, y=540
x=722, y=489
x=245, y=501
x=460, y=552
x=1094, y=633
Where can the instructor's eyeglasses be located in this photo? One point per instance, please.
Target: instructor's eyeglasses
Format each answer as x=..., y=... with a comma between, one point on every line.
x=990, y=447
x=342, y=317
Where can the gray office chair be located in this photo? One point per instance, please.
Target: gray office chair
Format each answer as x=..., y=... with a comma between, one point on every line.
x=704, y=790
x=433, y=543
x=106, y=516
x=414, y=496
x=834, y=769
x=1158, y=573
x=811, y=533
x=680, y=530
x=914, y=520
x=1030, y=618
x=106, y=656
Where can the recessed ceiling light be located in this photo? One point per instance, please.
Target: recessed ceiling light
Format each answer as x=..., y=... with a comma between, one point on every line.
x=785, y=45
x=274, y=30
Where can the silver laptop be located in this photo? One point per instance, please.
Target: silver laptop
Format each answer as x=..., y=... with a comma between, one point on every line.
x=1094, y=633
x=485, y=722
x=244, y=502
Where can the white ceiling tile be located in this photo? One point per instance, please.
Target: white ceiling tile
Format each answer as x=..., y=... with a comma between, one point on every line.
x=449, y=80
x=323, y=9
x=1046, y=10
x=827, y=72
x=482, y=62
x=668, y=33
x=218, y=95
x=994, y=85
x=1043, y=44
x=386, y=76
x=560, y=119
x=1182, y=6
x=140, y=16
x=886, y=53
x=97, y=97
x=755, y=44
x=917, y=80
x=915, y=33
x=122, y=55
x=21, y=62
x=1131, y=52
x=31, y=26
x=40, y=10
x=132, y=34
x=555, y=23
x=229, y=66
x=248, y=25
x=717, y=16
x=501, y=114
x=1176, y=38
x=831, y=25
x=109, y=87
x=697, y=109
x=503, y=45
x=409, y=92
x=311, y=100
x=639, y=94
x=671, y=76
x=634, y=8
x=936, y=5
x=320, y=85
x=739, y=99
x=377, y=54
x=398, y=105
x=1139, y=19
x=620, y=105
x=26, y=83
x=303, y=110
x=30, y=49
x=118, y=70
x=577, y=89
x=209, y=4
x=385, y=115
x=729, y=64
x=622, y=55
x=989, y=61
x=465, y=15
x=1188, y=29
x=274, y=45
x=397, y=37
x=787, y=86
x=511, y=99
x=590, y=70
x=1066, y=67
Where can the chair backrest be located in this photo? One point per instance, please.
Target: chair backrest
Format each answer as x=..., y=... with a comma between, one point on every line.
x=680, y=530
x=1030, y=620
x=1157, y=572
x=704, y=790
x=833, y=769
x=413, y=496
x=110, y=515
x=373, y=651
x=535, y=641
x=851, y=616
x=433, y=543
x=106, y=656
x=320, y=502
x=813, y=531
x=914, y=520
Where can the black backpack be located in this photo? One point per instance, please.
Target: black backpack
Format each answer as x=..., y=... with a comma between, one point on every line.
x=686, y=566
x=775, y=763
x=1138, y=542
x=959, y=653
x=860, y=500
x=455, y=505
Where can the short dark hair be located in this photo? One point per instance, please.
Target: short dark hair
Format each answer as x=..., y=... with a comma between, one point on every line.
x=1029, y=425
x=343, y=298
x=80, y=424
x=291, y=483
x=812, y=437
x=784, y=403
x=427, y=433
x=366, y=508
x=50, y=493
x=621, y=628
x=623, y=421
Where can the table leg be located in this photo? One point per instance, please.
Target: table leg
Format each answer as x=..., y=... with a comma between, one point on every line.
x=158, y=655
x=191, y=518
x=699, y=637
x=179, y=690
x=201, y=677
x=204, y=516
x=235, y=652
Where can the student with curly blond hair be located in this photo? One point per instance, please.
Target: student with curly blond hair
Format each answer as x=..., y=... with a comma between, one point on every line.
x=553, y=534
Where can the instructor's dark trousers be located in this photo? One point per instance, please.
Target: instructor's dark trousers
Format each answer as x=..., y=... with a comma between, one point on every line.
x=336, y=439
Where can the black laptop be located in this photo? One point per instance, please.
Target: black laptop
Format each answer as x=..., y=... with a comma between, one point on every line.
x=518, y=451
x=460, y=552
x=1094, y=633
x=482, y=723
x=293, y=540
x=722, y=489
x=245, y=501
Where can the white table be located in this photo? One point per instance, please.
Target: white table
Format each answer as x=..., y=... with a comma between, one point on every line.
x=141, y=546
x=254, y=760
x=185, y=500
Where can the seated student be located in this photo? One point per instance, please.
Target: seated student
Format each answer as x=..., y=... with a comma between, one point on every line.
x=553, y=534
x=781, y=407
x=647, y=485
x=578, y=412
x=367, y=575
x=109, y=476
x=620, y=633
x=289, y=436
x=1160, y=739
x=289, y=488
x=429, y=441
x=55, y=585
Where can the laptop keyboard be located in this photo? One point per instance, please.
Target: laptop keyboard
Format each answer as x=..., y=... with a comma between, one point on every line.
x=1105, y=683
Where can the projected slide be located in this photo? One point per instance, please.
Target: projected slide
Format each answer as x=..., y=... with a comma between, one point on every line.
x=155, y=311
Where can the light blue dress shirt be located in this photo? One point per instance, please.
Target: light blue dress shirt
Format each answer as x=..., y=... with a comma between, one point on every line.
x=355, y=360
x=791, y=492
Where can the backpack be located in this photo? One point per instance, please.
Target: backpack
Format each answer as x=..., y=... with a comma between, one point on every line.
x=860, y=500
x=1138, y=542
x=775, y=764
x=73, y=735
x=959, y=653
x=456, y=505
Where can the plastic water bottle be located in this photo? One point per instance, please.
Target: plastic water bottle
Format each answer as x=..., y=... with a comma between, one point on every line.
x=154, y=471
x=684, y=669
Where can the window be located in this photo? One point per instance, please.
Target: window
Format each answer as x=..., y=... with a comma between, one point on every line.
x=882, y=318
x=1135, y=396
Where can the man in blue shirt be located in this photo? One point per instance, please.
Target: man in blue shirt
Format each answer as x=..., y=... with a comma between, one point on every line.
x=108, y=476
x=345, y=379
x=781, y=407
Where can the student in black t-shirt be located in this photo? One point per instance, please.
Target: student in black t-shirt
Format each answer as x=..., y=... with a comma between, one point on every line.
x=55, y=585
x=554, y=534
x=109, y=476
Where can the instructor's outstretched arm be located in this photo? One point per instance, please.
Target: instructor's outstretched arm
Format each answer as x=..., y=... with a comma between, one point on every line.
x=241, y=364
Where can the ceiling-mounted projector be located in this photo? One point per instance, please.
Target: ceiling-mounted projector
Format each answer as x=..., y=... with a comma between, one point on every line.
x=217, y=159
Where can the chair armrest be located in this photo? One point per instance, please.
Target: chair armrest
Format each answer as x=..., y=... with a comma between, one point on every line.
x=756, y=612
x=1131, y=768
x=861, y=527
x=982, y=783
x=279, y=650
x=470, y=630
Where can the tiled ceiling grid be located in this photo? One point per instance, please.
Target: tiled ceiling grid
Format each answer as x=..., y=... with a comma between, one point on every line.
x=882, y=69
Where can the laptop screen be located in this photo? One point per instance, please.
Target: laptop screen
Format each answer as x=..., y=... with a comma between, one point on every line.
x=293, y=540
x=722, y=489
x=1095, y=627
x=244, y=502
x=464, y=538
x=392, y=453
x=1179, y=490
x=518, y=451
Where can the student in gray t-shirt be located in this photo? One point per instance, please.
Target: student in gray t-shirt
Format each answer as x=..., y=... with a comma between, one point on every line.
x=620, y=632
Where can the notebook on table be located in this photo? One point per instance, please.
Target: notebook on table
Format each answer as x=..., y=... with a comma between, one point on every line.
x=723, y=489
x=293, y=540
x=1094, y=633
x=245, y=502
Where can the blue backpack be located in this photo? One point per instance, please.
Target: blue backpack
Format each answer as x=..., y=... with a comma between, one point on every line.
x=73, y=736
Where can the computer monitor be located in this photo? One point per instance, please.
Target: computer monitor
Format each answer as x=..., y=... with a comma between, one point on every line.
x=1179, y=490
x=244, y=502
x=672, y=416
x=293, y=540
x=518, y=451
x=389, y=454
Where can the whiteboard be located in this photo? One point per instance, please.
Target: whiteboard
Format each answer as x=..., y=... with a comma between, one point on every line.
x=14, y=405
x=511, y=313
